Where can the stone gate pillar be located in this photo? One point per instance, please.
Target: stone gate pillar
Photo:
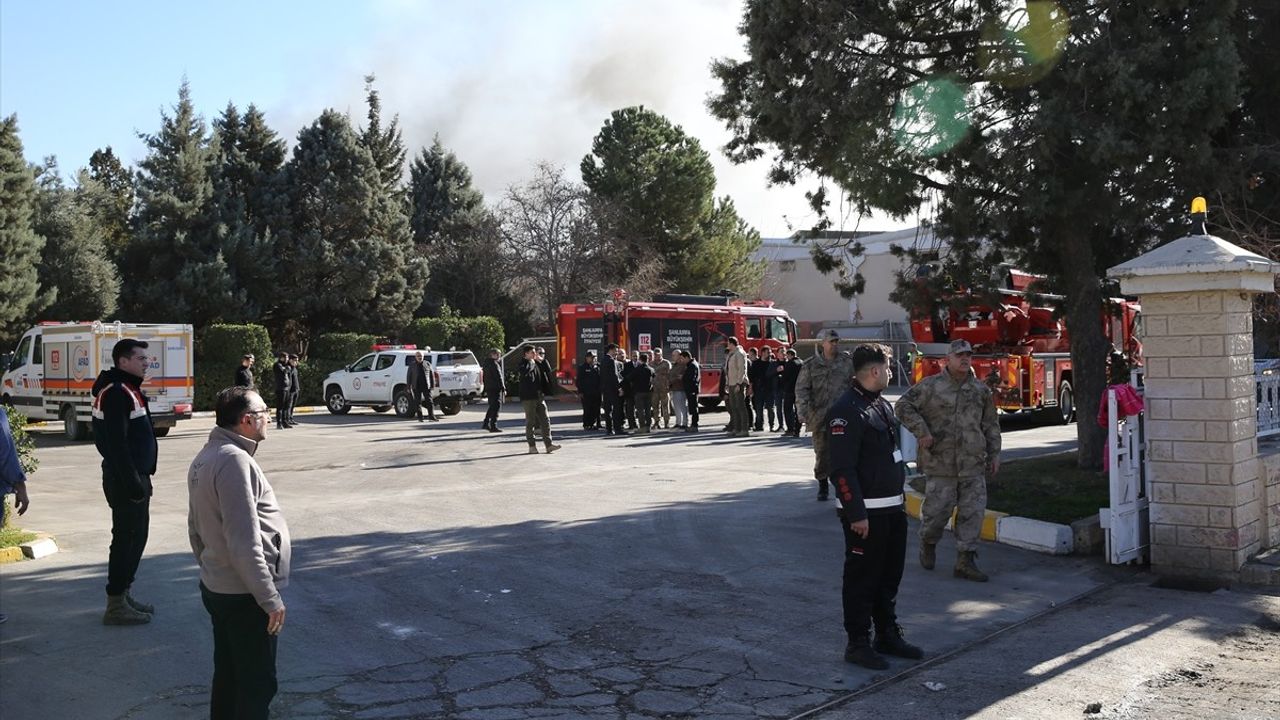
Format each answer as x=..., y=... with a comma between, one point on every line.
x=1196, y=295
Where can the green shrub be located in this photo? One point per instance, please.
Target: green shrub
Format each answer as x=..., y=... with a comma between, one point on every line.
x=311, y=375
x=218, y=354
x=27, y=459
x=429, y=332
x=339, y=348
x=477, y=334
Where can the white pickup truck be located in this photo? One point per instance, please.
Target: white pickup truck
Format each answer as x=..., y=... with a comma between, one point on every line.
x=50, y=374
x=380, y=380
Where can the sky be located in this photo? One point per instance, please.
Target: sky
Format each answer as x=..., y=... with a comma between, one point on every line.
x=505, y=84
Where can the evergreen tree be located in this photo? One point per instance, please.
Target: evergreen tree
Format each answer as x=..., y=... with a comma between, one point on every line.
x=385, y=145
x=174, y=270
x=74, y=264
x=1064, y=136
x=722, y=260
x=347, y=257
x=20, y=245
x=109, y=192
x=263, y=153
x=441, y=194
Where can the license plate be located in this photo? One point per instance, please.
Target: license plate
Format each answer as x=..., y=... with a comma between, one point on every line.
x=457, y=392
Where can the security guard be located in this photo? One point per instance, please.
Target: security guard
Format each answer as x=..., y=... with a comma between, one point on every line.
x=954, y=419
x=866, y=469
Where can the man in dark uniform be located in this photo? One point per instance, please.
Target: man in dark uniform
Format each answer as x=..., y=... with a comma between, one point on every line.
x=284, y=388
x=692, y=386
x=866, y=470
x=244, y=373
x=420, y=384
x=790, y=373
x=494, y=388
x=297, y=389
x=589, y=389
x=126, y=440
x=628, y=392
x=611, y=391
x=642, y=377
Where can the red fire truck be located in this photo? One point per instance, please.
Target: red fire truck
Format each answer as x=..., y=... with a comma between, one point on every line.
x=1022, y=349
x=701, y=324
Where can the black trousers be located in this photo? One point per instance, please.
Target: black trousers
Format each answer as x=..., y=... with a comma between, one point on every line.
x=629, y=408
x=612, y=411
x=491, y=415
x=282, y=405
x=872, y=573
x=244, y=657
x=692, y=397
x=422, y=396
x=591, y=410
x=762, y=403
x=789, y=410
x=293, y=403
x=130, y=522
x=643, y=402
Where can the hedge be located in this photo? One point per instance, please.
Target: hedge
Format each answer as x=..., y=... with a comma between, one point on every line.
x=218, y=353
x=340, y=348
x=27, y=459
x=478, y=334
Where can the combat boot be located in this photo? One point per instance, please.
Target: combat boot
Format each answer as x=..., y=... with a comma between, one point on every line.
x=889, y=641
x=120, y=613
x=860, y=653
x=928, y=555
x=138, y=605
x=966, y=568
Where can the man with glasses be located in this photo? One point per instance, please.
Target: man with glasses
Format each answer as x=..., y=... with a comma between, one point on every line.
x=241, y=543
x=126, y=440
x=954, y=421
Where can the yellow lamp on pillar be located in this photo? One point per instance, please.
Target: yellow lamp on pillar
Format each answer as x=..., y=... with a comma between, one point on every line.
x=1199, y=215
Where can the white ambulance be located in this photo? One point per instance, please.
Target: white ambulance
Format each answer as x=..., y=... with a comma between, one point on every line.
x=50, y=374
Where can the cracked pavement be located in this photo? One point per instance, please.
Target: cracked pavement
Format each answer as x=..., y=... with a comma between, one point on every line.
x=440, y=572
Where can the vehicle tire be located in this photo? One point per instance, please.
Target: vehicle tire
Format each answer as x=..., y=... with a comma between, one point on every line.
x=337, y=404
x=709, y=403
x=404, y=405
x=72, y=427
x=161, y=432
x=382, y=408
x=450, y=406
x=1066, y=403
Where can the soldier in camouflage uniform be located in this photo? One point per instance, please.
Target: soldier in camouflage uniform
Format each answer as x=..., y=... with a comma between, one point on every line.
x=823, y=379
x=954, y=419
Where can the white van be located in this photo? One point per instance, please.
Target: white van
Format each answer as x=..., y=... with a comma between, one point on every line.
x=50, y=374
x=380, y=380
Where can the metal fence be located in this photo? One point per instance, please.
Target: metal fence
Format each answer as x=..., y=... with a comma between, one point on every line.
x=1268, y=403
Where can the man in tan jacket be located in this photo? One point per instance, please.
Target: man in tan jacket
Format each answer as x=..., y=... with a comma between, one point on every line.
x=737, y=389
x=241, y=543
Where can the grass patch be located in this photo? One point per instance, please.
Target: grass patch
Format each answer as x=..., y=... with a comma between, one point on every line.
x=1048, y=488
x=13, y=537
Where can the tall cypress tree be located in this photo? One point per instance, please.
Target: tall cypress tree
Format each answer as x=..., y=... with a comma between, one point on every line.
x=384, y=144
x=347, y=256
x=110, y=194
x=20, y=245
x=74, y=264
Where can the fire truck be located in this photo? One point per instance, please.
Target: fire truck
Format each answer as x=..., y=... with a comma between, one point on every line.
x=1021, y=347
x=701, y=324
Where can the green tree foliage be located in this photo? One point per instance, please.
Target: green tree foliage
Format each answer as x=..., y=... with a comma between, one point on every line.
x=661, y=182
x=346, y=258
x=1067, y=135
x=175, y=270
x=218, y=351
x=339, y=349
x=477, y=334
x=385, y=145
x=74, y=265
x=20, y=246
x=109, y=192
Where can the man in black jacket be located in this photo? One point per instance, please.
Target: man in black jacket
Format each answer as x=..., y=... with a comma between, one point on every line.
x=494, y=388
x=533, y=387
x=866, y=468
x=297, y=389
x=421, y=381
x=126, y=440
x=642, y=377
x=589, y=390
x=611, y=391
x=692, y=386
x=284, y=388
x=244, y=373
x=790, y=374
x=628, y=392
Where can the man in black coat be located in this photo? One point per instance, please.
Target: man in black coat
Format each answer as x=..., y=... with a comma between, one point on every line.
x=589, y=390
x=421, y=381
x=494, y=388
x=790, y=374
x=692, y=386
x=244, y=373
x=611, y=391
x=284, y=388
x=628, y=392
x=297, y=389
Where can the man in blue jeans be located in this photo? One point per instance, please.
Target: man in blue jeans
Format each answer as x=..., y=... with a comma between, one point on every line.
x=12, y=479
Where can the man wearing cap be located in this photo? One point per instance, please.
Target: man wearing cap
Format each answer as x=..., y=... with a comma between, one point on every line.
x=244, y=373
x=954, y=420
x=823, y=379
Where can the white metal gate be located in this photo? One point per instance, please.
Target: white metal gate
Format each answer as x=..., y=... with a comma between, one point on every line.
x=1126, y=523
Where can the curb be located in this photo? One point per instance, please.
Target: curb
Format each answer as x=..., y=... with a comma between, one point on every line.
x=10, y=555
x=42, y=546
x=1025, y=533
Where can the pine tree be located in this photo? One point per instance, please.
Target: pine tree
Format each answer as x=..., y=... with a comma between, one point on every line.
x=109, y=191
x=174, y=270
x=385, y=145
x=74, y=263
x=347, y=256
x=20, y=245
x=441, y=194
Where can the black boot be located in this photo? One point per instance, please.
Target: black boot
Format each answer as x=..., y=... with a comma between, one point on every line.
x=889, y=641
x=859, y=652
x=822, y=490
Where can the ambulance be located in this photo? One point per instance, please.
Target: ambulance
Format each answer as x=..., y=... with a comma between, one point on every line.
x=50, y=373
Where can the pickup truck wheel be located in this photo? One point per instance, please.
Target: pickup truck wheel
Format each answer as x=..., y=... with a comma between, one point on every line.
x=1066, y=403
x=450, y=406
x=72, y=427
x=381, y=408
x=405, y=407
x=161, y=432
x=336, y=403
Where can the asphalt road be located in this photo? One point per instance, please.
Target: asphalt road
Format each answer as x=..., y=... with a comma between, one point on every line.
x=439, y=571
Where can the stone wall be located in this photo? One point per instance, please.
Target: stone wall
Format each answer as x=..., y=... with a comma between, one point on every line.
x=1269, y=471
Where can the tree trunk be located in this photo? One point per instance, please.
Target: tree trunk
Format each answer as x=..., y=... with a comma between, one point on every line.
x=1089, y=346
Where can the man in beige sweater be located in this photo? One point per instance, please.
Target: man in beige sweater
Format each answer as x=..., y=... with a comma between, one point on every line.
x=241, y=543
